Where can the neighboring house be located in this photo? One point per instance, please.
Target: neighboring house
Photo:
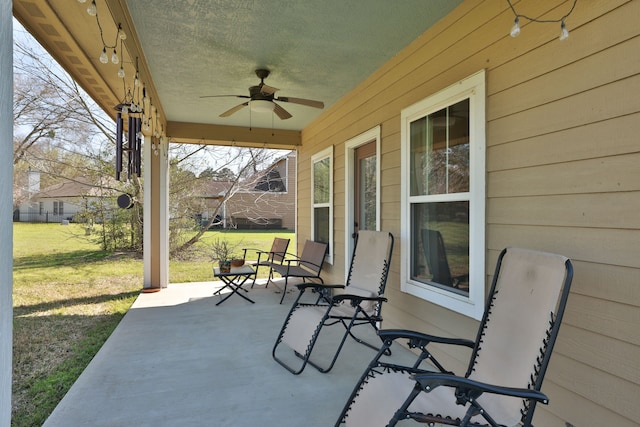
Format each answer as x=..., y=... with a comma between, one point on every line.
x=265, y=200
x=61, y=202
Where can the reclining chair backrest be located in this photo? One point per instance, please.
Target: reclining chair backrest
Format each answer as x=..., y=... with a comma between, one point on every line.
x=436, y=255
x=313, y=255
x=522, y=314
x=370, y=264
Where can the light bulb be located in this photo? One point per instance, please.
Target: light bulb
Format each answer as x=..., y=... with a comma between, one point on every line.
x=515, y=30
x=82, y=1
x=121, y=72
x=92, y=9
x=114, y=57
x=103, y=56
x=564, y=33
x=121, y=34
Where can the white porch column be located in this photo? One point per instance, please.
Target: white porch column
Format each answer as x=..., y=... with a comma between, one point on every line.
x=156, y=214
x=6, y=208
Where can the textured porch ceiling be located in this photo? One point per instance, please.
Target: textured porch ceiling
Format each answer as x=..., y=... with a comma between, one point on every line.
x=315, y=49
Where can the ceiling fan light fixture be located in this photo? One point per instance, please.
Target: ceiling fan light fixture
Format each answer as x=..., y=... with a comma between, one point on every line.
x=261, y=106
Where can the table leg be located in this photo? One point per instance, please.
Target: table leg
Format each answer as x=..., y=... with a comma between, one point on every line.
x=231, y=282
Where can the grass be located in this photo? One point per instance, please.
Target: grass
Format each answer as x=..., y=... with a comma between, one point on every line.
x=69, y=296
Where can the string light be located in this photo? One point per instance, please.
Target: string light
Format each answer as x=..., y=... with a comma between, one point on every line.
x=103, y=56
x=564, y=32
x=114, y=57
x=120, y=36
x=92, y=9
x=515, y=30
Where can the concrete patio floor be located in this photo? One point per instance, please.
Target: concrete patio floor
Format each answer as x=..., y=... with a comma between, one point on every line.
x=177, y=359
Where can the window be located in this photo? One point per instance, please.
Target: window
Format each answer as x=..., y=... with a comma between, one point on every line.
x=443, y=197
x=58, y=208
x=271, y=182
x=322, y=199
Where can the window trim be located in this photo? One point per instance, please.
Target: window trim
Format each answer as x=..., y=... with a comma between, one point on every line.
x=317, y=157
x=472, y=87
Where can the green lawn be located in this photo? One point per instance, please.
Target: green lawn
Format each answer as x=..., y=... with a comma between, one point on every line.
x=68, y=296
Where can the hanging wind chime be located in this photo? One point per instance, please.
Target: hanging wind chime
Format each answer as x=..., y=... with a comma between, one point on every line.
x=129, y=142
x=129, y=117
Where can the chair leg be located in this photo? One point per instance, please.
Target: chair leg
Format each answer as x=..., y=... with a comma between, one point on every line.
x=284, y=291
x=255, y=276
x=400, y=413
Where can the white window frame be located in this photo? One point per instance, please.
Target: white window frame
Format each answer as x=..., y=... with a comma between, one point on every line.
x=472, y=87
x=327, y=153
x=349, y=186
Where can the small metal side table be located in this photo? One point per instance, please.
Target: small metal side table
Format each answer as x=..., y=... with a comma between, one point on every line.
x=234, y=280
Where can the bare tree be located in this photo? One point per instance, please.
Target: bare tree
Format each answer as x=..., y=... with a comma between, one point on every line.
x=59, y=131
x=189, y=193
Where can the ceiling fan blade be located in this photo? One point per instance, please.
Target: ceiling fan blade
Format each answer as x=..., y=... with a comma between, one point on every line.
x=234, y=109
x=281, y=112
x=222, y=96
x=302, y=101
x=268, y=90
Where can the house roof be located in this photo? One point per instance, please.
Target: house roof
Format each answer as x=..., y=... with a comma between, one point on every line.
x=79, y=187
x=217, y=189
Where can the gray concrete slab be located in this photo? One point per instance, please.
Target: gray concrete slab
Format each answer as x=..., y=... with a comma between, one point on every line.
x=177, y=359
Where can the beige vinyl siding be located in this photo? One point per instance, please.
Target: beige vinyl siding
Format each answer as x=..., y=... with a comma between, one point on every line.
x=563, y=175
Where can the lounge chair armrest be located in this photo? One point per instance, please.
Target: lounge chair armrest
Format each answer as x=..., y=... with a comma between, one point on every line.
x=469, y=390
x=317, y=286
x=356, y=299
x=418, y=339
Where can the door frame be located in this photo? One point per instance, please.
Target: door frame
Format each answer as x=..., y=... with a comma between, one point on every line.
x=349, y=190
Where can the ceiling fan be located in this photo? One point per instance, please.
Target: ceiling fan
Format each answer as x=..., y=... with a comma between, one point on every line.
x=262, y=98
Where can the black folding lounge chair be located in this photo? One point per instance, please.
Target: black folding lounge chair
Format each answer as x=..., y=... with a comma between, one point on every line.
x=437, y=262
x=267, y=259
x=508, y=361
x=306, y=267
x=359, y=304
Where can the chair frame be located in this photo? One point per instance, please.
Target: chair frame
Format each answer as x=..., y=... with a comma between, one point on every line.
x=303, y=266
x=274, y=256
x=326, y=299
x=467, y=390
